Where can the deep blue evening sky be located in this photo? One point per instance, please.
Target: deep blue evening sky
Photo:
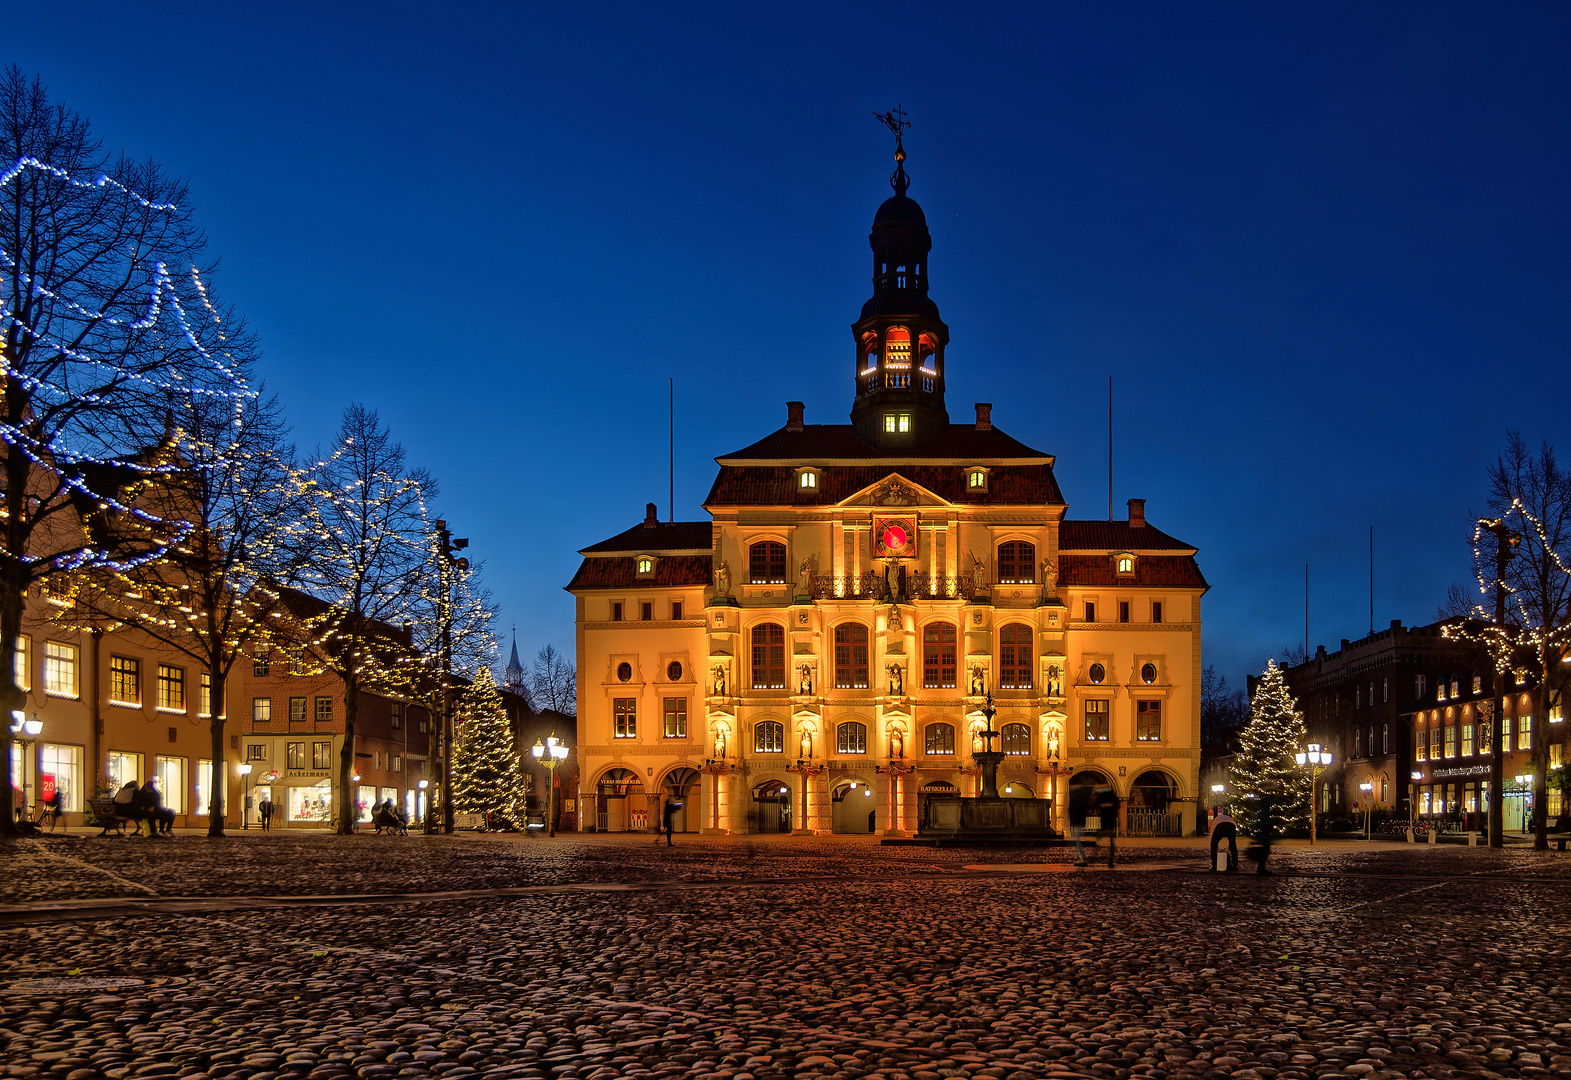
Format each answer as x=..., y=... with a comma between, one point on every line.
x=1322, y=249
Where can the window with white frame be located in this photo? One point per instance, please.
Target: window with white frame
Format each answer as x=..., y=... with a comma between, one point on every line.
x=171, y=688
x=22, y=662
x=60, y=669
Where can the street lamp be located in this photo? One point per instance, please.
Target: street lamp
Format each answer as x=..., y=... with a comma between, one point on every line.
x=1368, y=789
x=1316, y=759
x=244, y=768
x=430, y=822
x=550, y=753
x=1523, y=780
x=26, y=731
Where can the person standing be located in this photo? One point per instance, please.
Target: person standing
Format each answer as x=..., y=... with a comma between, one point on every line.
x=1107, y=818
x=668, y=819
x=1263, y=831
x=1223, y=828
x=265, y=809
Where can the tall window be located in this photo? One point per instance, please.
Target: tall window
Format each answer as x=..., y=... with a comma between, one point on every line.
x=1096, y=720
x=1418, y=687
x=940, y=738
x=1014, y=657
x=206, y=693
x=21, y=664
x=766, y=563
x=324, y=710
x=768, y=737
x=171, y=688
x=1090, y=611
x=1467, y=740
x=321, y=755
x=261, y=710
x=624, y=718
x=125, y=680
x=170, y=773
x=1016, y=563
x=262, y=665
x=851, y=738
x=769, y=657
x=851, y=656
x=1156, y=611
x=675, y=718
x=1016, y=740
x=297, y=710
x=295, y=755
x=395, y=714
x=1524, y=732
x=938, y=657
x=1421, y=744
x=1450, y=740
x=1148, y=721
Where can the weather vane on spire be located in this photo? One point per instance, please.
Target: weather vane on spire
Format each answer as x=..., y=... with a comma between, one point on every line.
x=896, y=122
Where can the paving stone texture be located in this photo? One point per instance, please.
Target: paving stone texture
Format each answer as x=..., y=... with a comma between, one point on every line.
x=591, y=958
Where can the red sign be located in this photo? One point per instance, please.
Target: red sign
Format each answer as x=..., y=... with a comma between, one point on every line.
x=46, y=786
x=894, y=537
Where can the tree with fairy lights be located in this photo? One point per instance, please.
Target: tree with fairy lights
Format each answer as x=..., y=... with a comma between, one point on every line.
x=106, y=317
x=1529, y=506
x=488, y=775
x=361, y=548
x=210, y=595
x=1264, y=771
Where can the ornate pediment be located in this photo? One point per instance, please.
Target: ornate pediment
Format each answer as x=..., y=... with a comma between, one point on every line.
x=894, y=491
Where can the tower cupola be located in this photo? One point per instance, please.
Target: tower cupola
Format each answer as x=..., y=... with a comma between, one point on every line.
x=900, y=339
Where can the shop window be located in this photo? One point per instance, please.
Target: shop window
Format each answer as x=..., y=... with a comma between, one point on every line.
x=851, y=738
x=768, y=657
x=938, y=656
x=64, y=763
x=940, y=738
x=122, y=767
x=170, y=774
x=851, y=656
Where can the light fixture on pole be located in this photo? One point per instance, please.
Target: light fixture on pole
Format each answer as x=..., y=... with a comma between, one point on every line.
x=430, y=823
x=244, y=769
x=25, y=731
x=1316, y=760
x=550, y=753
x=1524, y=780
x=1368, y=789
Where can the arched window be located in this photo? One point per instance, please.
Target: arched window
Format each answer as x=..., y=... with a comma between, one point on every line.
x=1017, y=740
x=769, y=657
x=851, y=738
x=768, y=737
x=938, y=657
x=766, y=563
x=851, y=656
x=940, y=738
x=1014, y=657
x=897, y=349
x=1016, y=563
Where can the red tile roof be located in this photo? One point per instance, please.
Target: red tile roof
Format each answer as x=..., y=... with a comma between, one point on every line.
x=662, y=536
x=1115, y=536
x=616, y=572
x=815, y=443
x=776, y=485
x=1157, y=570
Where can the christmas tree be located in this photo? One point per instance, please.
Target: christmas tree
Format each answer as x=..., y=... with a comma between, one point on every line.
x=1275, y=790
x=488, y=777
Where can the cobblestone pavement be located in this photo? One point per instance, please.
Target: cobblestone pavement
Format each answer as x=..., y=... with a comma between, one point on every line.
x=772, y=959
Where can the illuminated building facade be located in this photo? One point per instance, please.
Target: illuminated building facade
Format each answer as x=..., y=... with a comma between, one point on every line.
x=816, y=657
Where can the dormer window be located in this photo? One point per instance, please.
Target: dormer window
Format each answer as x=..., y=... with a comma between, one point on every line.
x=645, y=565
x=1124, y=564
x=897, y=422
x=976, y=480
x=807, y=480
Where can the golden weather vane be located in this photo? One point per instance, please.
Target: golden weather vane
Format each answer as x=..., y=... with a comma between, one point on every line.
x=895, y=120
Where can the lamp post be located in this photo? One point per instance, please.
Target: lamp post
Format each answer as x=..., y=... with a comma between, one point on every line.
x=1368, y=788
x=1417, y=777
x=1522, y=780
x=1316, y=760
x=26, y=731
x=550, y=753
x=244, y=769
x=1505, y=541
x=430, y=821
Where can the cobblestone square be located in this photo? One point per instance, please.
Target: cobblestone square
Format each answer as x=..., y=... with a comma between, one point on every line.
x=295, y=956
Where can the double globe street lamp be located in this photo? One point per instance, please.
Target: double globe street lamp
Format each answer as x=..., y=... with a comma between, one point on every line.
x=550, y=753
x=1316, y=760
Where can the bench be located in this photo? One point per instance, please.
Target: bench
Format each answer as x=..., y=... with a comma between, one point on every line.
x=113, y=817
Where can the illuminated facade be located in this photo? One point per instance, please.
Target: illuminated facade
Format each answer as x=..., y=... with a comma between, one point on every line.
x=815, y=658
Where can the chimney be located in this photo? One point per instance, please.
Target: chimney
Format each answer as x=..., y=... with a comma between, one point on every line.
x=1137, y=513
x=794, y=415
x=651, y=518
x=984, y=416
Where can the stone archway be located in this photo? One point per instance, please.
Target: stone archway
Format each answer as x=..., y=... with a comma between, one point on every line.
x=682, y=784
x=853, y=807
x=620, y=805
x=1151, y=810
x=771, y=808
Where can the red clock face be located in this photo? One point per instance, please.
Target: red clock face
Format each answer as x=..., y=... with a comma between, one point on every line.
x=895, y=538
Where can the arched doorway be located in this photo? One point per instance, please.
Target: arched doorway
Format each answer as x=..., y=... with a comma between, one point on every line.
x=620, y=804
x=933, y=789
x=1150, y=811
x=1082, y=790
x=771, y=811
x=1014, y=789
x=853, y=808
x=681, y=784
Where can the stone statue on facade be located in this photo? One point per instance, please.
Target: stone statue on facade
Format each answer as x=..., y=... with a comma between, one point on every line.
x=804, y=682
x=978, y=573
x=978, y=681
x=1050, y=575
x=897, y=679
x=717, y=674
x=1055, y=682
x=723, y=579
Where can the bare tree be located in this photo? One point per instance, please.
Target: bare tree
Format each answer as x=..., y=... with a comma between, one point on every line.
x=362, y=545
x=207, y=596
x=1223, y=710
x=1530, y=495
x=553, y=684
x=104, y=313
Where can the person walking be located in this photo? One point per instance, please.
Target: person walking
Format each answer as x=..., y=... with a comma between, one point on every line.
x=1079, y=808
x=265, y=809
x=668, y=820
x=1263, y=832
x=1107, y=818
x=1224, y=829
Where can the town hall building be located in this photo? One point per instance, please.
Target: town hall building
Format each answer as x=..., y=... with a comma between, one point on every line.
x=817, y=657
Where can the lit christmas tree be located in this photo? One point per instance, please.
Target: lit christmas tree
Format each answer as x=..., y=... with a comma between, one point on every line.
x=1264, y=770
x=488, y=777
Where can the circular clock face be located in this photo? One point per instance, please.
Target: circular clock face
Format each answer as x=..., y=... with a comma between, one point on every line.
x=895, y=538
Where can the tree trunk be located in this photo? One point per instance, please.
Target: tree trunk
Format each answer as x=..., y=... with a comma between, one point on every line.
x=346, y=759
x=13, y=699
x=1541, y=763
x=218, y=681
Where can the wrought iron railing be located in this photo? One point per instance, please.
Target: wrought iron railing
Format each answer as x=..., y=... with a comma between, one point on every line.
x=1152, y=823
x=925, y=586
x=865, y=585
